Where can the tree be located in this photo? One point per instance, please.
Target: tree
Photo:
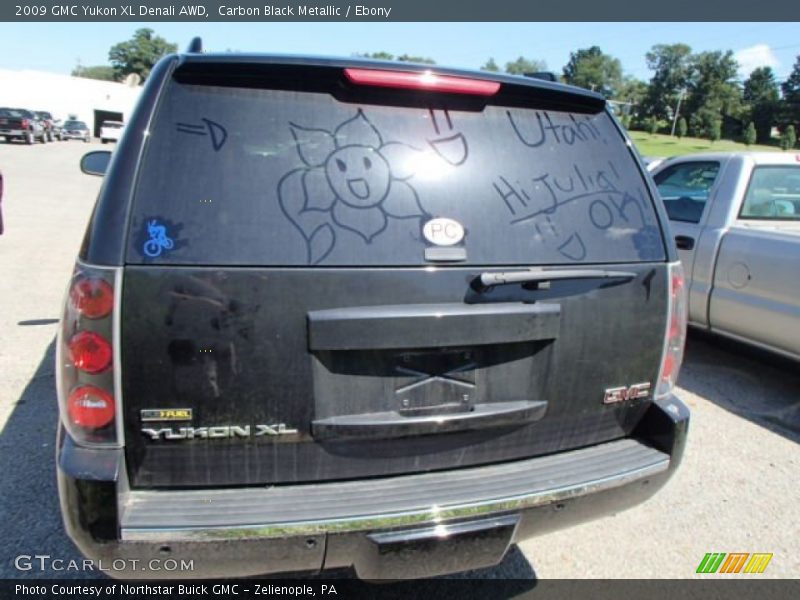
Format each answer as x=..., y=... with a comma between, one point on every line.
x=788, y=138
x=671, y=69
x=490, y=65
x=102, y=72
x=416, y=59
x=402, y=58
x=791, y=95
x=590, y=68
x=750, y=134
x=652, y=126
x=525, y=65
x=713, y=92
x=139, y=54
x=715, y=130
x=683, y=128
x=762, y=98
x=377, y=55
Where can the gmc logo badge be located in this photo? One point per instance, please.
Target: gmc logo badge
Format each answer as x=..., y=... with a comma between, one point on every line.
x=620, y=394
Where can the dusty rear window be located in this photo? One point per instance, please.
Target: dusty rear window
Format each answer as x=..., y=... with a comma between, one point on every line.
x=271, y=177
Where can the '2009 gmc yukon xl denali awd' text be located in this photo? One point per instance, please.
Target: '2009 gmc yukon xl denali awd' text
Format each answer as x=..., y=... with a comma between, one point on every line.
x=334, y=313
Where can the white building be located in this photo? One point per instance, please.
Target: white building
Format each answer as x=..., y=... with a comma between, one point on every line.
x=89, y=100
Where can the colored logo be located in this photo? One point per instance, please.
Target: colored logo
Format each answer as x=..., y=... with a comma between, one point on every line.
x=159, y=240
x=734, y=562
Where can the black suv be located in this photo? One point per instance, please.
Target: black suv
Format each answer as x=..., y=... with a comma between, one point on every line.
x=334, y=313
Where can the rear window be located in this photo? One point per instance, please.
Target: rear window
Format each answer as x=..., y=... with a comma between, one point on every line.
x=773, y=194
x=684, y=188
x=275, y=177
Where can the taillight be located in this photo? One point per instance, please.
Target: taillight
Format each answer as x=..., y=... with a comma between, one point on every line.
x=92, y=297
x=90, y=352
x=86, y=381
x=676, y=331
x=424, y=80
x=90, y=407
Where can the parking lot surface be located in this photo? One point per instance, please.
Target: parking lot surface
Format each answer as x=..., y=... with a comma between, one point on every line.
x=738, y=489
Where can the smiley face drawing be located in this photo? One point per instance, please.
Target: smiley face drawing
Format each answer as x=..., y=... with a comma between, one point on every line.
x=350, y=180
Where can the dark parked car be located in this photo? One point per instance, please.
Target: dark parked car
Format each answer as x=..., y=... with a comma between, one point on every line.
x=76, y=130
x=342, y=313
x=21, y=124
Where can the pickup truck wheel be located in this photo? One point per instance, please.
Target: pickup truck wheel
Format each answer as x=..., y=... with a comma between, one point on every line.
x=51, y=137
x=28, y=138
x=103, y=141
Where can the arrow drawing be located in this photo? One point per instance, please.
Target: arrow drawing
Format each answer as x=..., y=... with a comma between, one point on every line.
x=215, y=130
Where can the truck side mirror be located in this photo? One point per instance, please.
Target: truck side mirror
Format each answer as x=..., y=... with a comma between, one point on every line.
x=95, y=163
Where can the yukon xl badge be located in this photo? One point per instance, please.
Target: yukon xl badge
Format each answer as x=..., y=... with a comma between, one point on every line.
x=216, y=432
x=620, y=394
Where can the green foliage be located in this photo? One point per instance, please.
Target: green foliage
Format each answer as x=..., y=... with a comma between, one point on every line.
x=402, y=58
x=713, y=92
x=791, y=95
x=763, y=101
x=139, y=54
x=671, y=66
x=683, y=128
x=416, y=59
x=788, y=138
x=525, y=65
x=590, y=68
x=715, y=130
x=749, y=137
x=652, y=125
x=101, y=72
x=377, y=55
x=490, y=65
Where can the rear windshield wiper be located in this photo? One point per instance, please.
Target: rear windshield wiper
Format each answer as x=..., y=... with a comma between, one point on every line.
x=543, y=277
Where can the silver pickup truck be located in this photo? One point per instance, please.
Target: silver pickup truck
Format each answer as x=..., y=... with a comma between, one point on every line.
x=736, y=221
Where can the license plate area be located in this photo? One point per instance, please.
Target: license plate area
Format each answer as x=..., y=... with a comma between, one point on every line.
x=451, y=383
x=436, y=550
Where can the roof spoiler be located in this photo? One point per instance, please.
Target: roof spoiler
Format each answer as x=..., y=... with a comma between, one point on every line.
x=196, y=45
x=544, y=75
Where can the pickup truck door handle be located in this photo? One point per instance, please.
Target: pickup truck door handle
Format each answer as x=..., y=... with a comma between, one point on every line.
x=487, y=280
x=684, y=242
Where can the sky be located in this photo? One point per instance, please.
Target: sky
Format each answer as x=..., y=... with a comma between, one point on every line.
x=59, y=47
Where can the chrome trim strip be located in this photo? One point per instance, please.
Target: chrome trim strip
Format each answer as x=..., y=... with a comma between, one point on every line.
x=433, y=515
x=116, y=341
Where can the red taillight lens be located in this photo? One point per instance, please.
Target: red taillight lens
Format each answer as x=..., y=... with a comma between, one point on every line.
x=425, y=80
x=92, y=297
x=90, y=352
x=676, y=331
x=90, y=407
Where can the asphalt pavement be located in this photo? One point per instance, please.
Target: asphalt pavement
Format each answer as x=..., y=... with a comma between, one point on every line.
x=738, y=489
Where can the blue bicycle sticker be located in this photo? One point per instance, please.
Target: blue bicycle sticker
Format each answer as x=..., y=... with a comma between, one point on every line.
x=159, y=240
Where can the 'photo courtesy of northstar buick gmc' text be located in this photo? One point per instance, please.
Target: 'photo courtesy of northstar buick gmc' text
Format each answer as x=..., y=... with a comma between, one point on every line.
x=357, y=314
